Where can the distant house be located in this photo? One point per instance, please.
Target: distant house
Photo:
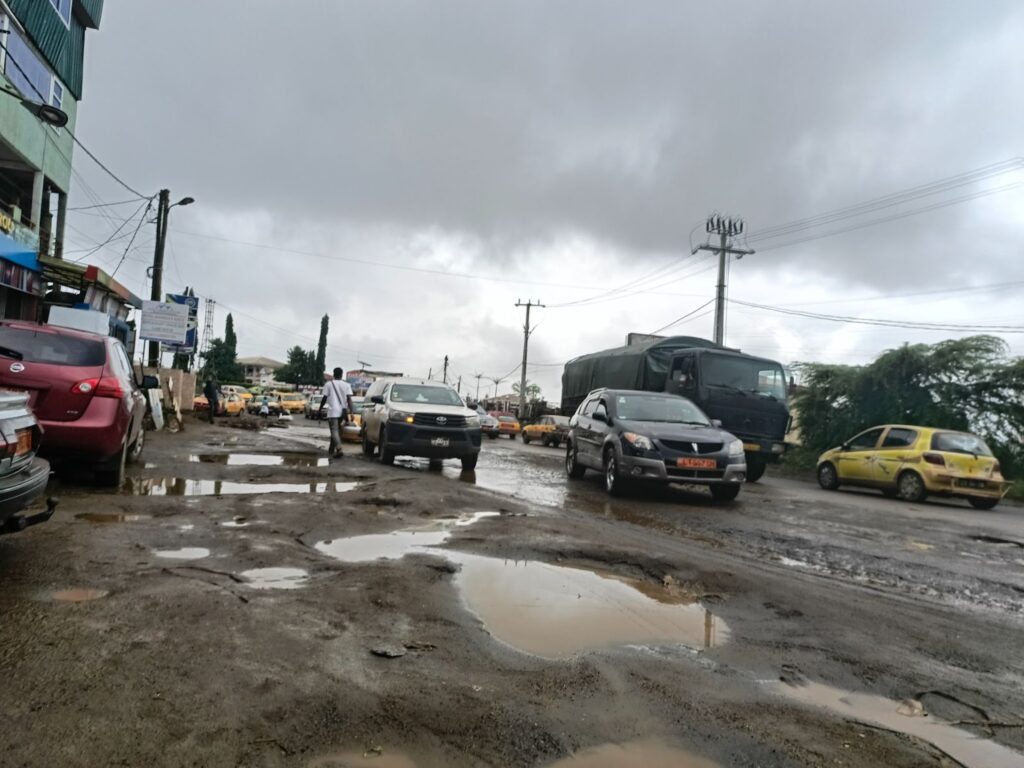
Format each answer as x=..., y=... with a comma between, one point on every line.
x=260, y=370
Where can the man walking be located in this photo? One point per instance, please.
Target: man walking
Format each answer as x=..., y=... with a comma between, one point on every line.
x=211, y=393
x=338, y=400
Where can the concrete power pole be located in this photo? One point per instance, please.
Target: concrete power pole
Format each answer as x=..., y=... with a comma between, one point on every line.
x=526, y=346
x=478, y=376
x=725, y=228
x=157, y=270
x=445, y=377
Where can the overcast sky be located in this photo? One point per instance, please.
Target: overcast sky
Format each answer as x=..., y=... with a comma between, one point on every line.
x=560, y=151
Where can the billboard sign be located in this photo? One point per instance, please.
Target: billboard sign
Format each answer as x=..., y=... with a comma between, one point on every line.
x=192, y=332
x=163, y=321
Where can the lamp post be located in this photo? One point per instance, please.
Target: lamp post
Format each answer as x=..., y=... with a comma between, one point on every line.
x=46, y=113
x=157, y=270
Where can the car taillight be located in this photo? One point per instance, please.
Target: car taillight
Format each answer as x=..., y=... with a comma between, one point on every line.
x=106, y=386
x=9, y=449
x=934, y=458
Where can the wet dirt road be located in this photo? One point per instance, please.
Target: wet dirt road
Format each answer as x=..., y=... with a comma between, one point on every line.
x=241, y=601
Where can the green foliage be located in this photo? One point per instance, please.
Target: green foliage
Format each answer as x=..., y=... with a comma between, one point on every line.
x=532, y=390
x=967, y=384
x=321, y=347
x=301, y=368
x=221, y=361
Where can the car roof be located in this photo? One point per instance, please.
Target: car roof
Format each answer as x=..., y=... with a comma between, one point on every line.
x=919, y=428
x=607, y=391
x=419, y=382
x=58, y=330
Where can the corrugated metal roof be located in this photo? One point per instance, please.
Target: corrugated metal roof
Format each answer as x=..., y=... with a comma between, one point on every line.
x=92, y=11
x=62, y=46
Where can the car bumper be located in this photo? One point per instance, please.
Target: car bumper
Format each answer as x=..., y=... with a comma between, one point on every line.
x=352, y=433
x=429, y=442
x=664, y=471
x=966, y=487
x=96, y=436
x=19, y=490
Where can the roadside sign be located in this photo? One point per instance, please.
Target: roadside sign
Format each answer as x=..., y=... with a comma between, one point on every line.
x=164, y=322
x=191, y=334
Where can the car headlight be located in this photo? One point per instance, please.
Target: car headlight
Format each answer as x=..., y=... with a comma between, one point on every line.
x=401, y=416
x=472, y=421
x=736, y=448
x=638, y=441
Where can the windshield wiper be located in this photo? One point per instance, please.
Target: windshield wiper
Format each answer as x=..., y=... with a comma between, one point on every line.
x=11, y=353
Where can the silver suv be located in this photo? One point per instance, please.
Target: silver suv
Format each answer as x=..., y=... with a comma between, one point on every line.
x=419, y=417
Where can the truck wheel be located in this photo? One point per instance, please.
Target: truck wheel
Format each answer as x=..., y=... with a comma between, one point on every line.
x=756, y=465
x=725, y=492
x=573, y=468
x=469, y=462
x=387, y=456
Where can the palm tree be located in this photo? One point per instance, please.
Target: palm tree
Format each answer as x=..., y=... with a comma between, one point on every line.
x=532, y=390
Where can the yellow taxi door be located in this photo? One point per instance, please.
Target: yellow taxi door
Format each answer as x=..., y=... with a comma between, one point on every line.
x=897, y=445
x=854, y=462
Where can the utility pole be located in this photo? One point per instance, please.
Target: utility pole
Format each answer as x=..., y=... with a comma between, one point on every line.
x=445, y=377
x=725, y=228
x=430, y=374
x=526, y=346
x=478, y=376
x=157, y=270
x=458, y=387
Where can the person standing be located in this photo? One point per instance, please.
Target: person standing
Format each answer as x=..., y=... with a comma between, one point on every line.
x=211, y=393
x=337, y=397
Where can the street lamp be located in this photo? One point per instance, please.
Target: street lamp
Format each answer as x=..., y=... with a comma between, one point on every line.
x=46, y=113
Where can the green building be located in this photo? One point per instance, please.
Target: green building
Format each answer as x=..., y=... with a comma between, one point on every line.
x=42, y=48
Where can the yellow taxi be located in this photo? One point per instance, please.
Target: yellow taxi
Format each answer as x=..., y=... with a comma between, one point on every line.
x=234, y=405
x=549, y=430
x=912, y=462
x=292, y=402
x=234, y=389
x=508, y=425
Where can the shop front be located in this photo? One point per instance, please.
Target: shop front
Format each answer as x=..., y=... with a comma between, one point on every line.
x=21, y=284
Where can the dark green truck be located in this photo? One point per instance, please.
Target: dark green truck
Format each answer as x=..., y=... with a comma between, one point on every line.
x=746, y=393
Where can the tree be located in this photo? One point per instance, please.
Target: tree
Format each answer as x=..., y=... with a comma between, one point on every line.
x=532, y=390
x=321, y=348
x=230, y=339
x=966, y=384
x=221, y=361
x=300, y=368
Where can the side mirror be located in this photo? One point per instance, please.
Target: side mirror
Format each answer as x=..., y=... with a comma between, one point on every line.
x=599, y=416
x=378, y=399
x=150, y=382
x=716, y=423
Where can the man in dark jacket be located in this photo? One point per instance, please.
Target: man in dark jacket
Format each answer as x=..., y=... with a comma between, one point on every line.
x=211, y=394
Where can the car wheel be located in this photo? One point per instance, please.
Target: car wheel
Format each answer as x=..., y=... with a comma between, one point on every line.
x=491, y=436
x=979, y=503
x=135, y=452
x=511, y=435
x=367, y=445
x=435, y=464
x=387, y=456
x=756, y=465
x=828, y=478
x=573, y=468
x=613, y=483
x=526, y=438
x=910, y=486
x=469, y=462
x=111, y=474
x=725, y=492
x=555, y=443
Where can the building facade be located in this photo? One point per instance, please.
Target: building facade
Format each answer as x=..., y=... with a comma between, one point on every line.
x=42, y=47
x=260, y=370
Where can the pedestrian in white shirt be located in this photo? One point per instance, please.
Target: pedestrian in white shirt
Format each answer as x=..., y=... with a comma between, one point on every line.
x=338, y=400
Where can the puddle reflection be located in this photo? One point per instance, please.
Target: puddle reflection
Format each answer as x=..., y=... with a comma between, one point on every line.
x=185, y=553
x=396, y=544
x=647, y=753
x=292, y=460
x=109, y=517
x=275, y=578
x=179, y=486
x=77, y=595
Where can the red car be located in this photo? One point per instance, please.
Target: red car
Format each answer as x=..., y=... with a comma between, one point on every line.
x=83, y=391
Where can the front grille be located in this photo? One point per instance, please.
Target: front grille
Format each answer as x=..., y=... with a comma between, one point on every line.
x=430, y=434
x=431, y=420
x=686, y=446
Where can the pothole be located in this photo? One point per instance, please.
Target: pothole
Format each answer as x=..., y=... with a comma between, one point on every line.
x=185, y=553
x=77, y=595
x=906, y=717
x=397, y=544
x=109, y=517
x=177, y=486
x=998, y=541
x=292, y=460
x=275, y=578
x=645, y=753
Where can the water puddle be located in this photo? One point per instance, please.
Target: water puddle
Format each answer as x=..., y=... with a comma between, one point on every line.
x=647, y=753
x=905, y=717
x=111, y=517
x=177, y=486
x=291, y=460
x=555, y=611
x=185, y=553
x=373, y=758
x=79, y=595
x=397, y=544
x=275, y=578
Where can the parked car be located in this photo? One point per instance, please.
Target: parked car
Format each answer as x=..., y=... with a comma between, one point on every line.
x=23, y=475
x=233, y=405
x=292, y=402
x=912, y=462
x=419, y=417
x=200, y=404
x=489, y=426
x=83, y=391
x=234, y=389
x=352, y=431
x=634, y=436
x=549, y=430
x=312, y=409
x=273, y=405
x=508, y=425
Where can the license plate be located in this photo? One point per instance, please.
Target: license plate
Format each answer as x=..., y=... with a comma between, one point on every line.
x=972, y=483
x=751, y=447
x=440, y=442
x=696, y=463
x=24, y=441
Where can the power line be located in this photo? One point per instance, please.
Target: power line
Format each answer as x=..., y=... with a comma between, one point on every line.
x=113, y=235
x=142, y=219
x=684, y=317
x=105, y=205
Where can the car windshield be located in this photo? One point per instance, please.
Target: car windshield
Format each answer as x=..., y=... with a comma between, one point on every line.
x=658, y=408
x=420, y=393
x=960, y=442
x=760, y=377
x=293, y=397
x=52, y=348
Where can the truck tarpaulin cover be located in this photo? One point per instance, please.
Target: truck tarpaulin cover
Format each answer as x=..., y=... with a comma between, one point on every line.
x=641, y=366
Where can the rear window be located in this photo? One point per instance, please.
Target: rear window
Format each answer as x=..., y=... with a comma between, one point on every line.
x=507, y=419
x=960, y=442
x=51, y=348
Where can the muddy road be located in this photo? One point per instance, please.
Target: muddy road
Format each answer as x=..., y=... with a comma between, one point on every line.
x=243, y=602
